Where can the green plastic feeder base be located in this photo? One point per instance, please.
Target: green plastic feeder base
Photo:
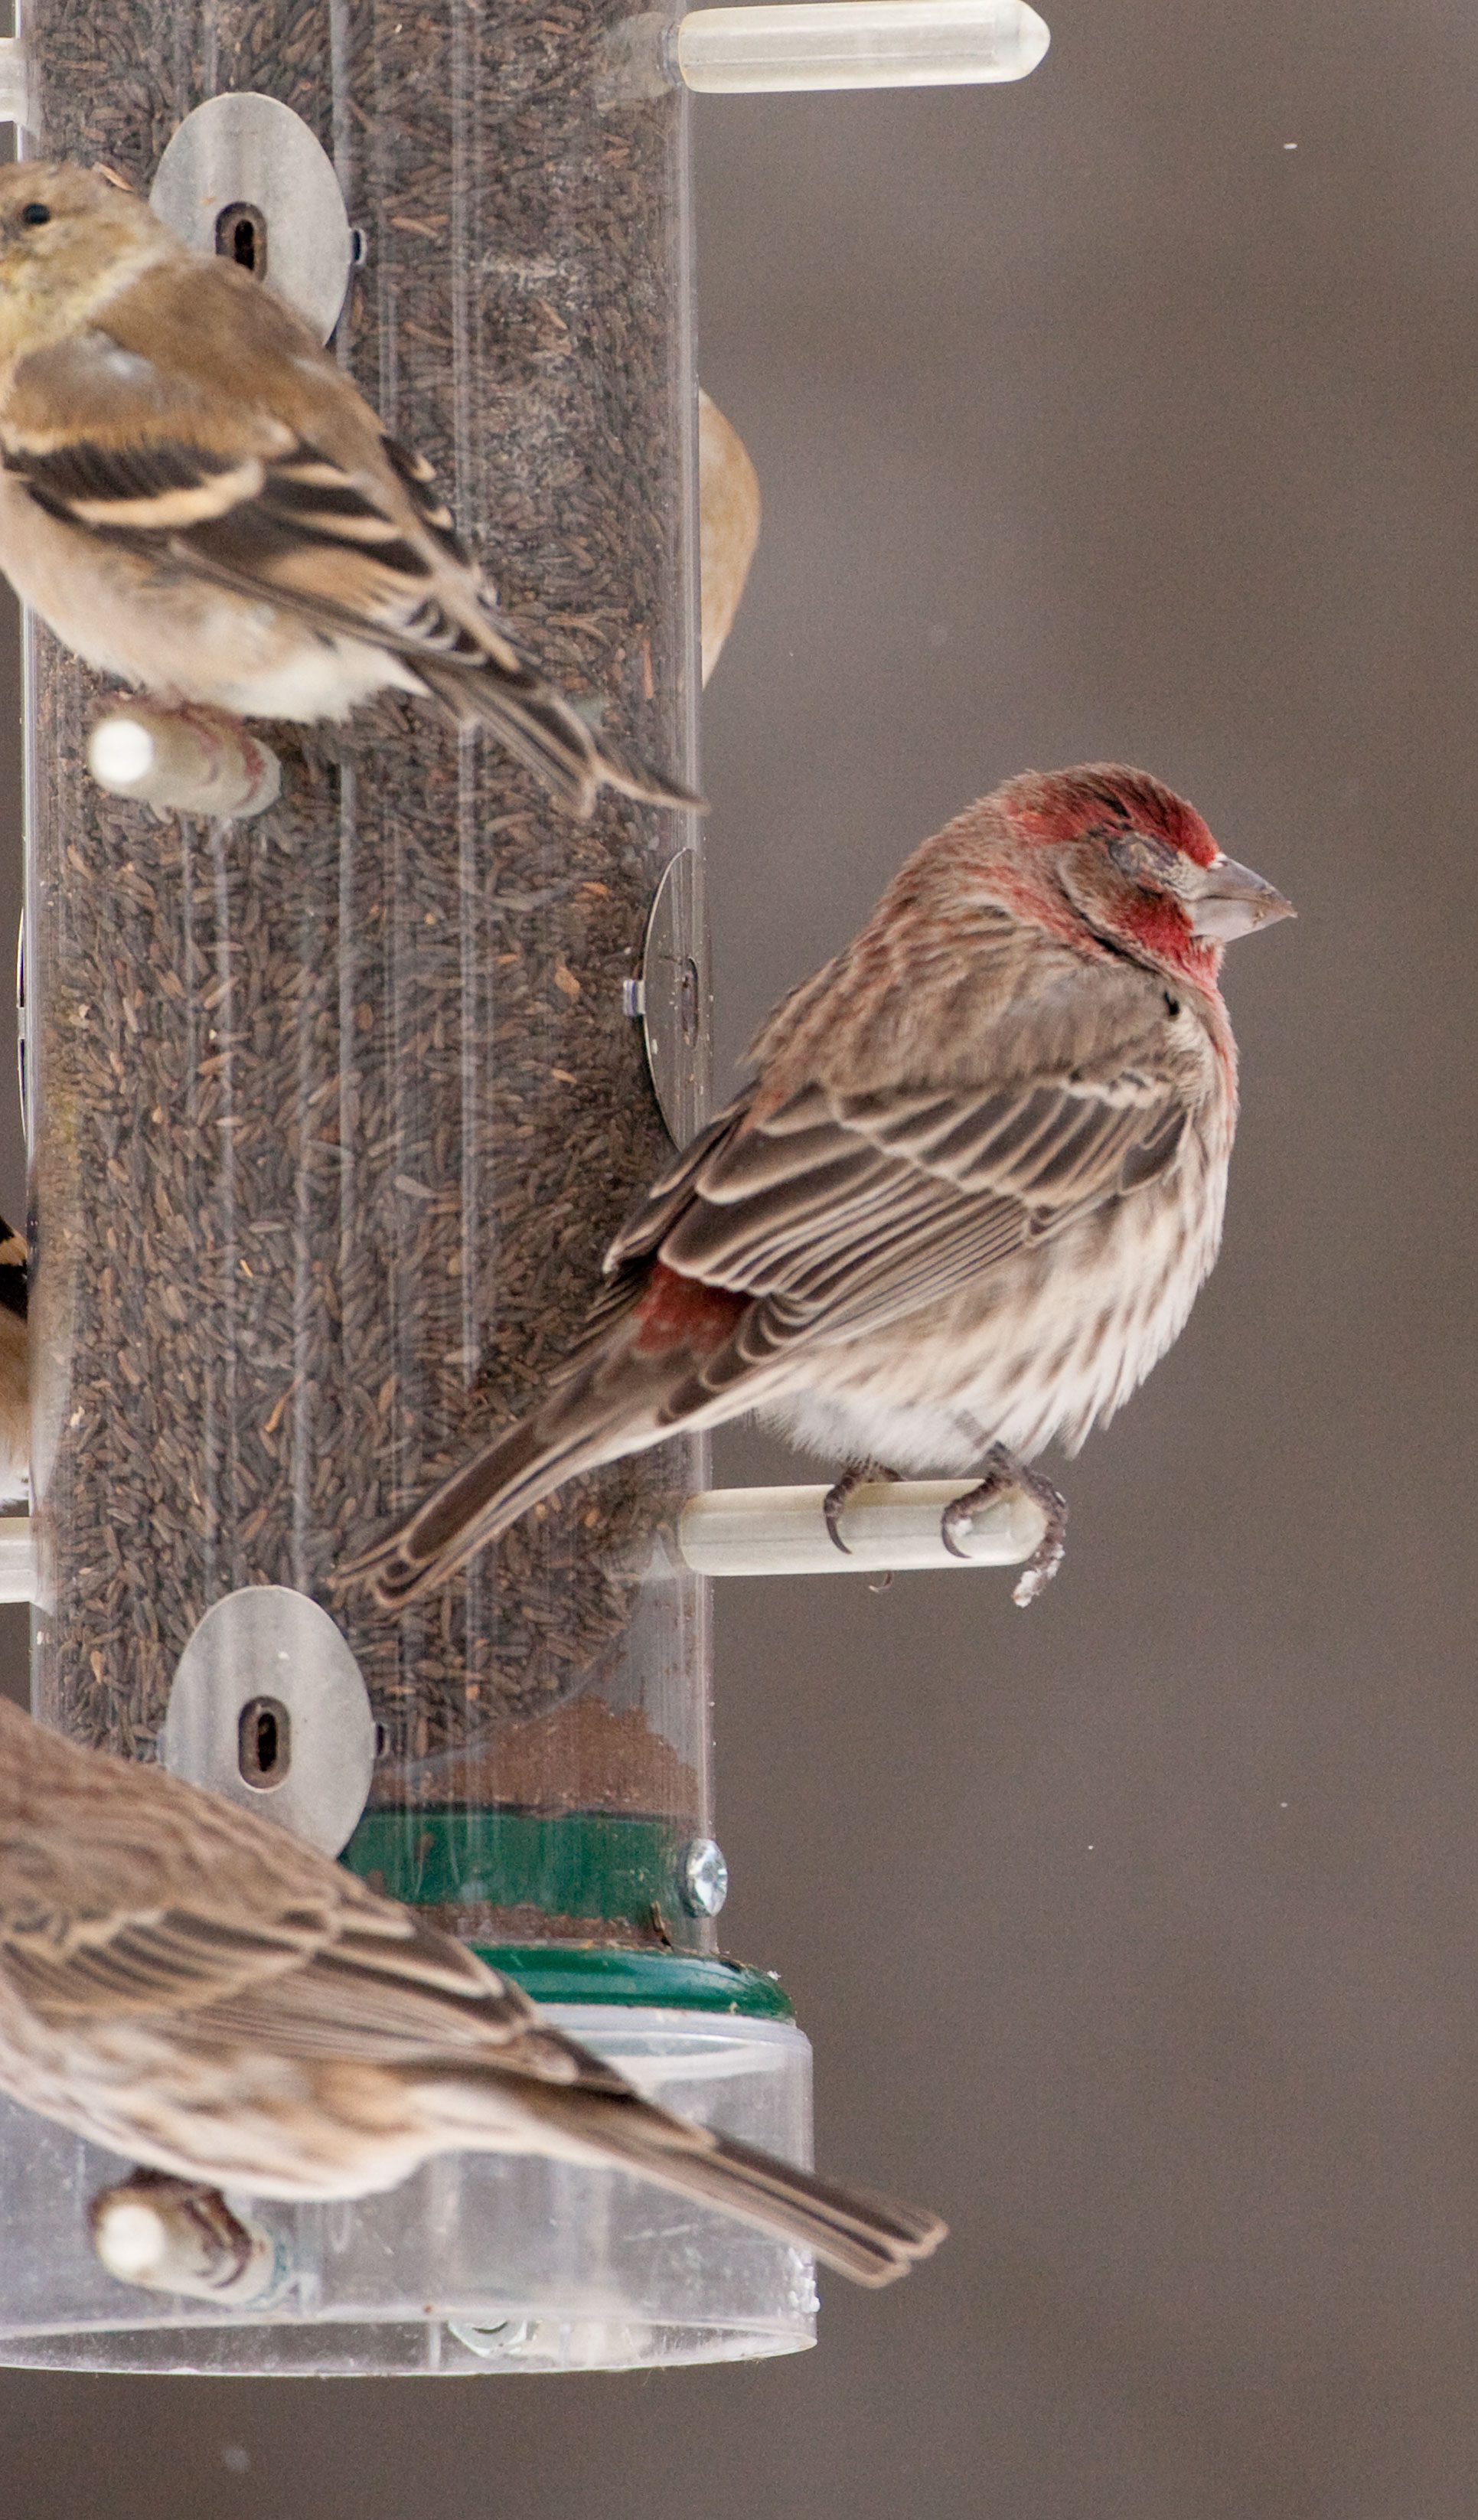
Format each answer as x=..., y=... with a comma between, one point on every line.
x=584, y=1870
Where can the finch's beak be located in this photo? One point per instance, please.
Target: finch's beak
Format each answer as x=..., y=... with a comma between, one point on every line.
x=1229, y=900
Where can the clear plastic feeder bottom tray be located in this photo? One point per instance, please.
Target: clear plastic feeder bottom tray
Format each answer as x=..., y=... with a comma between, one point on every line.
x=480, y=2263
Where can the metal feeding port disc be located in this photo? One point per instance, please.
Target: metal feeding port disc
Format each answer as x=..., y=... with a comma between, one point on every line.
x=244, y=177
x=268, y=1707
x=673, y=995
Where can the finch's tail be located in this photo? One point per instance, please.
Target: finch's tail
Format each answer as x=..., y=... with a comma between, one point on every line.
x=868, y=2237
x=474, y=1503
x=543, y=731
x=631, y=1381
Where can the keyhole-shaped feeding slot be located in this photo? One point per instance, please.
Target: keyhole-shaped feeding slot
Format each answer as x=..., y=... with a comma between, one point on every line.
x=241, y=236
x=264, y=1742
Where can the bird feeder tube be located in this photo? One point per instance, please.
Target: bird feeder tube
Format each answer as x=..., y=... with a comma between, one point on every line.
x=332, y=1111
x=336, y=1097
x=337, y=1106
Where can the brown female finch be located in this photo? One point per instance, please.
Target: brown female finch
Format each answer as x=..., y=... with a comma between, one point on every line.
x=967, y=1202
x=187, y=1984
x=195, y=498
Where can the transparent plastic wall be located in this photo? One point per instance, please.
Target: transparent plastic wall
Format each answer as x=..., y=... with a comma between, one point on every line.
x=333, y=1110
x=336, y=1109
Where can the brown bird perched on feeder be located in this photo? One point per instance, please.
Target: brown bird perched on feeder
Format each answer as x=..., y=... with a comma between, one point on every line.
x=15, y=1375
x=966, y=1203
x=190, y=1986
x=195, y=498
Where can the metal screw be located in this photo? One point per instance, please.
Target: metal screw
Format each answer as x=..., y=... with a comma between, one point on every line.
x=703, y=1878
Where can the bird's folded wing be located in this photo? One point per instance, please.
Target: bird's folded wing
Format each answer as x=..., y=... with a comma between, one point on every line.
x=336, y=1970
x=246, y=501
x=841, y=1212
x=67, y=1964
x=374, y=2001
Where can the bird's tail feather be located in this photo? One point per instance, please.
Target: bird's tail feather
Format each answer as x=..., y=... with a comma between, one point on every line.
x=476, y=1501
x=544, y=732
x=870, y=2239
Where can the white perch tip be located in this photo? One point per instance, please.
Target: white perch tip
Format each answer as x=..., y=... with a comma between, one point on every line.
x=830, y=44
x=890, y=1527
x=13, y=97
x=18, y=1558
x=183, y=761
x=177, y=2236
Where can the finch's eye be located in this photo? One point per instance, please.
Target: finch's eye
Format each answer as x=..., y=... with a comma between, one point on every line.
x=1149, y=862
x=35, y=215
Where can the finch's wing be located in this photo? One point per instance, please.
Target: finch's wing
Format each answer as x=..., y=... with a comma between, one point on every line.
x=842, y=1212
x=135, y=453
x=245, y=460
x=324, y=1966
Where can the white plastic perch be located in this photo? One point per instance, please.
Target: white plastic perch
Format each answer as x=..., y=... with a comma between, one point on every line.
x=18, y=1558
x=810, y=44
x=13, y=99
x=889, y=1527
x=178, y=2235
x=770, y=1531
x=184, y=761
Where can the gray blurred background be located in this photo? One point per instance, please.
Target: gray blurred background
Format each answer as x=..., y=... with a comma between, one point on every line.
x=1092, y=419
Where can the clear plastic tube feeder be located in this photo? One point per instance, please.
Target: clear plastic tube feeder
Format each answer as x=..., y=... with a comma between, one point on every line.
x=334, y=1110
x=346, y=1053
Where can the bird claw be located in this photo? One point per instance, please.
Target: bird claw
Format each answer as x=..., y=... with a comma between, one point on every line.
x=862, y=1474
x=1001, y=1473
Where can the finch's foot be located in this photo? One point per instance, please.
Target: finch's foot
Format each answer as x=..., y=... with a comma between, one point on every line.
x=1001, y=1472
x=862, y=1474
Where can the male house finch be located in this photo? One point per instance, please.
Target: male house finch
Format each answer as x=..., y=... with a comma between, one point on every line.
x=967, y=1202
x=195, y=498
x=187, y=1984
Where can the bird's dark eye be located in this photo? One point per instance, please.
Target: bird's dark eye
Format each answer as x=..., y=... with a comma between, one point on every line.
x=35, y=215
x=1149, y=862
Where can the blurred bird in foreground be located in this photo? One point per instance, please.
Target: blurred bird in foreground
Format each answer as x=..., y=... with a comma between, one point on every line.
x=967, y=1202
x=195, y=498
x=188, y=1985
x=15, y=1372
